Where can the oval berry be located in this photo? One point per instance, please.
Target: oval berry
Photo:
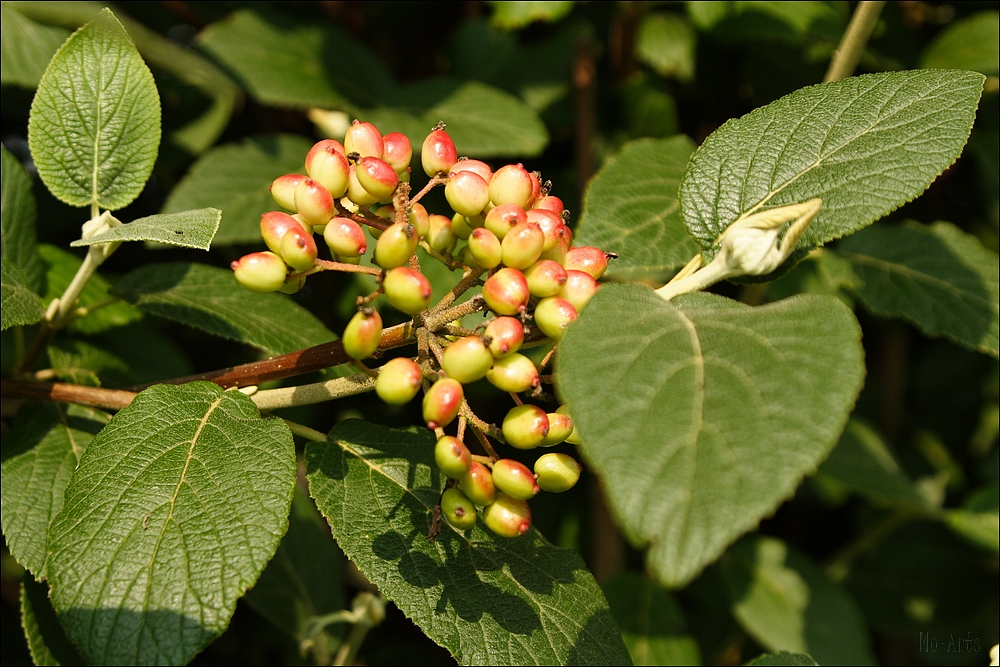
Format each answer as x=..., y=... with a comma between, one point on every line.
x=552, y=226
x=513, y=373
x=560, y=427
x=574, y=437
x=313, y=202
x=467, y=359
x=273, y=227
x=550, y=203
x=298, y=249
x=506, y=292
x=507, y=516
x=395, y=245
x=588, y=259
x=525, y=426
x=364, y=139
x=362, y=334
x=283, y=190
x=326, y=163
x=557, y=472
x=377, y=177
x=545, y=277
x=478, y=485
x=420, y=219
x=452, y=457
x=500, y=219
x=553, y=315
x=356, y=192
x=515, y=479
x=467, y=193
x=477, y=167
x=407, y=289
x=579, y=288
x=457, y=509
x=522, y=245
x=345, y=238
x=397, y=151
x=439, y=234
x=438, y=152
x=485, y=248
x=398, y=381
x=260, y=272
x=442, y=401
x=511, y=184
x=506, y=334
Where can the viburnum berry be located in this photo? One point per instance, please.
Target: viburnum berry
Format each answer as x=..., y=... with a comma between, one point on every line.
x=439, y=235
x=273, y=227
x=485, y=248
x=362, y=334
x=452, y=457
x=560, y=428
x=407, y=289
x=326, y=163
x=522, y=245
x=525, y=426
x=545, y=277
x=514, y=373
x=536, y=187
x=345, y=238
x=506, y=334
x=500, y=219
x=442, y=401
x=357, y=192
x=397, y=151
x=398, y=381
x=550, y=203
x=377, y=177
x=506, y=292
x=298, y=249
x=574, y=437
x=260, y=272
x=313, y=202
x=511, y=184
x=283, y=190
x=515, y=479
x=461, y=227
x=478, y=485
x=467, y=359
x=395, y=245
x=507, y=516
x=552, y=226
x=364, y=139
x=478, y=167
x=457, y=509
x=553, y=315
x=559, y=251
x=467, y=193
x=420, y=219
x=588, y=259
x=579, y=288
x=557, y=472
x=293, y=284
x=438, y=152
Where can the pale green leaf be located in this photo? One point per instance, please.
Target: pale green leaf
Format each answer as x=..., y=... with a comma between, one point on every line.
x=786, y=603
x=514, y=15
x=864, y=145
x=47, y=640
x=782, y=659
x=972, y=43
x=20, y=304
x=978, y=519
x=652, y=622
x=236, y=178
x=938, y=277
x=175, y=509
x=26, y=48
x=188, y=229
x=631, y=207
x=773, y=21
x=94, y=129
x=702, y=418
x=17, y=220
x=39, y=457
x=666, y=42
x=210, y=299
x=487, y=599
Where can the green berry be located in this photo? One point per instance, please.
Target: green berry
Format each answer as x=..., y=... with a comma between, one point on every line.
x=560, y=428
x=545, y=277
x=407, y=289
x=579, y=288
x=467, y=193
x=574, y=437
x=525, y=426
x=298, y=249
x=522, y=245
x=439, y=234
x=511, y=184
x=514, y=373
x=500, y=219
x=478, y=485
x=357, y=192
x=506, y=334
x=485, y=248
x=452, y=457
x=283, y=190
x=553, y=315
x=457, y=509
x=420, y=219
x=326, y=163
x=514, y=479
x=260, y=272
x=467, y=359
x=461, y=227
x=557, y=472
x=395, y=245
x=398, y=381
x=442, y=401
x=507, y=516
x=363, y=334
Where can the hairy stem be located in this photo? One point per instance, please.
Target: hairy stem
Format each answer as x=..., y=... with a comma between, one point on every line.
x=852, y=44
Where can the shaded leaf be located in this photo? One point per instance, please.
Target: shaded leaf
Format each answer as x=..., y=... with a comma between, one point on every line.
x=972, y=43
x=20, y=304
x=778, y=22
x=783, y=659
x=210, y=299
x=94, y=129
x=652, y=622
x=80, y=362
x=189, y=229
x=666, y=42
x=47, y=640
x=631, y=207
x=487, y=599
x=978, y=520
x=702, y=418
x=17, y=221
x=513, y=15
x=172, y=514
x=26, y=48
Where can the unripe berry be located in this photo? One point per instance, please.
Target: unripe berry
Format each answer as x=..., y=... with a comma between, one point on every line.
x=420, y=219
x=507, y=516
x=550, y=203
x=397, y=151
x=260, y=272
x=553, y=315
x=562, y=246
x=574, y=437
x=356, y=192
x=363, y=333
x=587, y=259
x=461, y=227
x=398, y=381
x=485, y=248
x=273, y=227
x=438, y=152
x=395, y=245
x=439, y=234
x=552, y=226
x=326, y=163
x=506, y=292
x=345, y=237
x=467, y=193
x=442, y=401
x=477, y=167
x=407, y=289
x=283, y=190
x=514, y=479
x=298, y=249
x=545, y=277
x=560, y=428
x=514, y=373
x=377, y=177
x=506, y=334
x=364, y=139
x=457, y=509
x=557, y=472
x=452, y=457
x=313, y=202
x=320, y=147
x=511, y=184
x=293, y=285
x=579, y=288
x=467, y=359
x=500, y=219
x=525, y=426
x=522, y=245
x=478, y=485
x=536, y=187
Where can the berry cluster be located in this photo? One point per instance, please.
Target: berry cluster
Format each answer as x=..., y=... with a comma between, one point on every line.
x=507, y=234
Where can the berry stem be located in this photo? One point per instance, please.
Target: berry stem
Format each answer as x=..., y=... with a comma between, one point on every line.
x=327, y=265
x=438, y=179
x=437, y=320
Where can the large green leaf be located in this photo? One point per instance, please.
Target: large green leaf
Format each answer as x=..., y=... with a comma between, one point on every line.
x=175, y=509
x=631, y=207
x=487, y=599
x=786, y=602
x=39, y=457
x=236, y=178
x=938, y=277
x=187, y=229
x=26, y=48
x=652, y=622
x=210, y=299
x=666, y=42
x=972, y=43
x=17, y=220
x=702, y=418
x=20, y=304
x=864, y=145
x=94, y=129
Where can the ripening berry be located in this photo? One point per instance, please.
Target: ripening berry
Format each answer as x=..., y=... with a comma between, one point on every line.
x=558, y=252
x=560, y=428
x=507, y=516
x=514, y=373
x=323, y=146
x=574, y=437
x=467, y=193
x=587, y=259
x=345, y=238
x=457, y=509
x=511, y=184
x=283, y=190
x=579, y=288
x=442, y=401
x=363, y=334
x=364, y=139
x=377, y=177
x=356, y=192
x=515, y=479
x=506, y=334
x=485, y=248
x=550, y=203
x=557, y=472
x=552, y=226
x=326, y=163
x=553, y=315
x=260, y=272
x=525, y=426
x=420, y=219
x=545, y=277
x=438, y=152
x=467, y=359
x=293, y=284
x=313, y=202
x=506, y=292
x=439, y=235
x=395, y=245
x=500, y=219
x=398, y=381
x=461, y=227
x=478, y=167
x=453, y=458
x=478, y=485
x=407, y=289
x=273, y=227
x=298, y=249
x=536, y=187
x=397, y=151
x=522, y=245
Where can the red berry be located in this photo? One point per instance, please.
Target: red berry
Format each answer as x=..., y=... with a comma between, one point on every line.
x=478, y=167
x=550, y=203
x=506, y=292
x=356, y=192
x=442, y=401
x=313, y=202
x=398, y=381
x=587, y=259
x=273, y=227
x=438, y=152
x=377, y=177
x=397, y=151
x=552, y=226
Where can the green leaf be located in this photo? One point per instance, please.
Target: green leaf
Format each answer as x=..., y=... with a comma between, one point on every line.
x=631, y=207
x=20, y=304
x=47, y=640
x=702, y=418
x=978, y=520
x=77, y=361
x=237, y=179
x=652, y=622
x=95, y=123
x=172, y=514
x=189, y=229
x=972, y=43
x=39, y=457
x=938, y=277
x=210, y=299
x=514, y=15
x=864, y=145
x=487, y=599
x=17, y=220
x=755, y=22
x=783, y=659
x=787, y=603
x=26, y=48
x=666, y=42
